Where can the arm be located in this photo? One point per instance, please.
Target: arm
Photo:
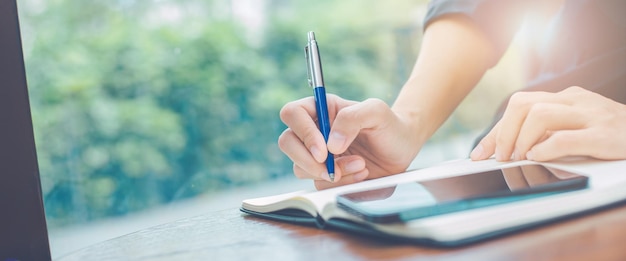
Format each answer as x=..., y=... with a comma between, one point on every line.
x=463, y=39
x=371, y=139
x=454, y=56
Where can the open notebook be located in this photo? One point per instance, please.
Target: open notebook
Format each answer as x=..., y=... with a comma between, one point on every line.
x=607, y=186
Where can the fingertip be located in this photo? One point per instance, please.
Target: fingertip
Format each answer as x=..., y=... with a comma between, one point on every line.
x=486, y=147
x=477, y=152
x=537, y=155
x=540, y=155
x=317, y=153
x=358, y=177
x=326, y=176
x=336, y=142
x=340, y=180
x=354, y=166
x=481, y=152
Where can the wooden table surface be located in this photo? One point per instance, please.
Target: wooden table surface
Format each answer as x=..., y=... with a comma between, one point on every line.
x=232, y=235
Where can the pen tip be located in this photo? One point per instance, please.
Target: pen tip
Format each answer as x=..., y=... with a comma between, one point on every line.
x=332, y=177
x=311, y=36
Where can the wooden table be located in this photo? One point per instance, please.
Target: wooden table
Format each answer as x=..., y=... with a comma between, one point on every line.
x=232, y=235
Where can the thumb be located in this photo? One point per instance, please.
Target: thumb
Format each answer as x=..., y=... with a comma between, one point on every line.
x=350, y=120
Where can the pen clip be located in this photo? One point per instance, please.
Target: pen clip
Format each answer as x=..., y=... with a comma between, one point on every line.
x=308, y=65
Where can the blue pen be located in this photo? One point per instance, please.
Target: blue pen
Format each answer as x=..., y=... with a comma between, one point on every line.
x=316, y=80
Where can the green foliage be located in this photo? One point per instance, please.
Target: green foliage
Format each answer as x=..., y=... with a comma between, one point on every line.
x=139, y=103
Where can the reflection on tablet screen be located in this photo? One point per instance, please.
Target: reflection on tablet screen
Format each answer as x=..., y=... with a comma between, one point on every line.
x=474, y=190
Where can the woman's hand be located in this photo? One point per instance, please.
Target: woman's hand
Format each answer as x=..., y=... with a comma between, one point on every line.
x=368, y=139
x=543, y=126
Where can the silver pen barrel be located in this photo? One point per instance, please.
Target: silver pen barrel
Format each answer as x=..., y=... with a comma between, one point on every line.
x=314, y=61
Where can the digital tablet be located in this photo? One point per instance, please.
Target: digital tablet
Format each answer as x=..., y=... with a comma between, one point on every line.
x=416, y=200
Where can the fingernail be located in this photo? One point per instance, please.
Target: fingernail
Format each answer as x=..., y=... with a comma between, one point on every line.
x=354, y=166
x=336, y=139
x=325, y=176
x=317, y=153
x=360, y=176
x=529, y=155
x=477, y=153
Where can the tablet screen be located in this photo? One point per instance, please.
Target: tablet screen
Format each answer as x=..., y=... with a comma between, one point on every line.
x=408, y=201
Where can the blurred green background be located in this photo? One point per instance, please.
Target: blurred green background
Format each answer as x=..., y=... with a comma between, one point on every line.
x=140, y=103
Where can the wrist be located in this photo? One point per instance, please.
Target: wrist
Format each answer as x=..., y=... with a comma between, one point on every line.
x=414, y=124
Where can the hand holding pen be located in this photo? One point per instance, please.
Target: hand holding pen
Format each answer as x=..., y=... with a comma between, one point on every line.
x=367, y=139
